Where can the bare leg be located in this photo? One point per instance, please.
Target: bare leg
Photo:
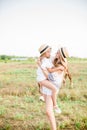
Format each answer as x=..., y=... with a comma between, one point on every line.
x=49, y=111
x=49, y=85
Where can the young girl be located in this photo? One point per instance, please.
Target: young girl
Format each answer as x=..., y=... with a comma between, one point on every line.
x=57, y=79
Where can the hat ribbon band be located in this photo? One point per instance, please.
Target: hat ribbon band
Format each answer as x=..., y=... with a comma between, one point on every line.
x=63, y=53
x=44, y=49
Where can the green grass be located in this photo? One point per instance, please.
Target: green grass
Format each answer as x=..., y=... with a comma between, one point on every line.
x=20, y=108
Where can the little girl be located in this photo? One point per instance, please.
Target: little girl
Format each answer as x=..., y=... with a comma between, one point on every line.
x=55, y=78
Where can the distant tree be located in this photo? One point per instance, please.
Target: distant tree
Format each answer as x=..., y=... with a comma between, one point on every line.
x=5, y=57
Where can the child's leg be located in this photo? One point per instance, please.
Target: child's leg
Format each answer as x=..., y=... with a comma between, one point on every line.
x=41, y=98
x=49, y=85
x=49, y=111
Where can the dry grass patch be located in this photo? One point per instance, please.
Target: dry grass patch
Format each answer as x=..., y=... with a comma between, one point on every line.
x=20, y=108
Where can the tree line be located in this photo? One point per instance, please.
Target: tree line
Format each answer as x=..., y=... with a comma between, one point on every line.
x=7, y=57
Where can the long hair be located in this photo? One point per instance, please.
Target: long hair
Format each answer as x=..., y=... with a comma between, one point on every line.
x=59, y=61
x=63, y=61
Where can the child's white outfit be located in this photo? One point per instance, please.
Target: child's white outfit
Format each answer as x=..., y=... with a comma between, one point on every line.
x=55, y=77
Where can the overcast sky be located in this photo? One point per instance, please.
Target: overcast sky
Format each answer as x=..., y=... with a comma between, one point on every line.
x=26, y=24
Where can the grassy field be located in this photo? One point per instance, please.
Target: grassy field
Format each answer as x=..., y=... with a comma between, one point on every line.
x=20, y=108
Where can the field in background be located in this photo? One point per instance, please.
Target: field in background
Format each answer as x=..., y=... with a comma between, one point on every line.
x=20, y=108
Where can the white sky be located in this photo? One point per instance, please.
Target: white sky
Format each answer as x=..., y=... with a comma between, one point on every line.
x=26, y=24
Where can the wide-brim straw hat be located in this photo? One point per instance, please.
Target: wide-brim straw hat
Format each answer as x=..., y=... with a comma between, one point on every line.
x=43, y=48
x=64, y=52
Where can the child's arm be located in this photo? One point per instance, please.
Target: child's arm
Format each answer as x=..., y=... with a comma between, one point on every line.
x=53, y=69
x=60, y=68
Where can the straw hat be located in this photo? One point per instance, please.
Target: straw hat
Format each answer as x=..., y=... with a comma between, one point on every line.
x=64, y=52
x=43, y=48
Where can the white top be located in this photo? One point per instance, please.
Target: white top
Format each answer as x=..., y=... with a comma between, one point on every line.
x=46, y=62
